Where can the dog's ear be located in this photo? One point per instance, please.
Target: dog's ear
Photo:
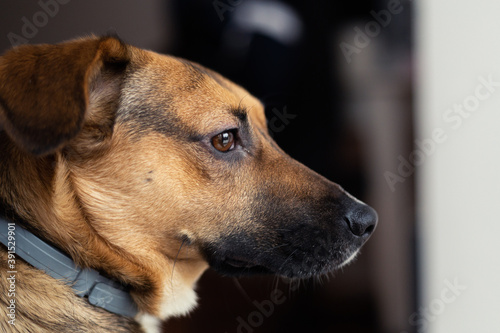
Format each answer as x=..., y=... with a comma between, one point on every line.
x=44, y=89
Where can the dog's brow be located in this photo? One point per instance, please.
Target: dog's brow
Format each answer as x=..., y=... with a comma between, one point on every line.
x=241, y=114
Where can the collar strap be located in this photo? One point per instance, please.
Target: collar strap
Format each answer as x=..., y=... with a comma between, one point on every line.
x=101, y=291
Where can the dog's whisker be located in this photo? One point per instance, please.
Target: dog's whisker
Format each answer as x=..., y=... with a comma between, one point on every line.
x=241, y=100
x=289, y=257
x=278, y=246
x=173, y=266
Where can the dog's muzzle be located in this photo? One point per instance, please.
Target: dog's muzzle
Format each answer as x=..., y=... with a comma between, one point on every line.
x=297, y=242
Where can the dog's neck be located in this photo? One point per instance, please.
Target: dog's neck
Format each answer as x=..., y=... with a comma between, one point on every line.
x=42, y=304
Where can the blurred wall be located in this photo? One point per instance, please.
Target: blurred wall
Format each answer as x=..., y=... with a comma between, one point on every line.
x=458, y=123
x=141, y=23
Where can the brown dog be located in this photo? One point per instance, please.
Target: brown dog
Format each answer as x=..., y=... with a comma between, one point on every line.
x=148, y=169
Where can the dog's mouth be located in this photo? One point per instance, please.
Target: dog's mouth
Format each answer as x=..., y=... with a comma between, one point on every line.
x=295, y=262
x=300, y=250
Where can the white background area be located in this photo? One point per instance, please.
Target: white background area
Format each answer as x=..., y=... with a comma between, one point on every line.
x=458, y=184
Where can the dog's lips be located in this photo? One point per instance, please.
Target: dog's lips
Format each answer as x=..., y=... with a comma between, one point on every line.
x=236, y=266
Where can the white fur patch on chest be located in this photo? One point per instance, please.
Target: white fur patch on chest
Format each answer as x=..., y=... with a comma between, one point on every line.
x=178, y=300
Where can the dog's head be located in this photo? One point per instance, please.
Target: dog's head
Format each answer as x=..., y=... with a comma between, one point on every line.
x=156, y=160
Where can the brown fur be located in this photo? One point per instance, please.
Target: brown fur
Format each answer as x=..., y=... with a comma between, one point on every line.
x=104, y=153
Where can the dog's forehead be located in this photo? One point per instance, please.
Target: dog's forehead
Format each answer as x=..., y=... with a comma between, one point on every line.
x=163, y=89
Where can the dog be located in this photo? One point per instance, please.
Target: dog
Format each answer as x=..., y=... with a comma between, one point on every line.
x=144, y=170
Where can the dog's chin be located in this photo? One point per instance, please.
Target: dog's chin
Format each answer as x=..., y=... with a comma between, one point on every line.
x=285, y=266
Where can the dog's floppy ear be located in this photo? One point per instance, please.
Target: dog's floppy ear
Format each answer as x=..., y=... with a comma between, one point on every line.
x=44, y=89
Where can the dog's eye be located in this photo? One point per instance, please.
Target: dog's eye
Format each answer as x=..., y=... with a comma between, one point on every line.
x=224, y=141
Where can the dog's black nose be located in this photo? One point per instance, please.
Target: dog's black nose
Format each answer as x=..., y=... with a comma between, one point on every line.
x=362, y=220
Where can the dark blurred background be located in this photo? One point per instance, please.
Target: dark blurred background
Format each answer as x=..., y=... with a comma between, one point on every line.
x=336, y=81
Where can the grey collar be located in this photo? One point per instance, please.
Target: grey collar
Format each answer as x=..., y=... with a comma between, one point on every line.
x=101, y=291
